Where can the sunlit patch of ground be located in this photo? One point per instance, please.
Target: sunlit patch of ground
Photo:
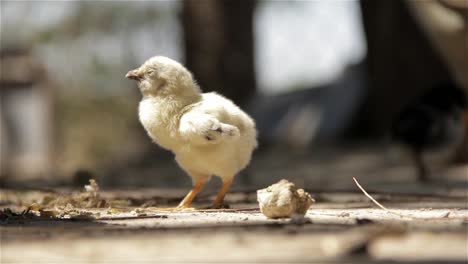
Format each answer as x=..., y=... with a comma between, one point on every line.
x=105, y=226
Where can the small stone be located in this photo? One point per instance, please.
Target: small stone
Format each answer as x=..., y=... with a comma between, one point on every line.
x=283, y=199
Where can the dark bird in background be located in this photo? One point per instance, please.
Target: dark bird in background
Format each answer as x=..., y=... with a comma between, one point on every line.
x=435, y=124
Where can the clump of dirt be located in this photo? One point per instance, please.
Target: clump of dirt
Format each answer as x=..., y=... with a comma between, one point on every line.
x=283, y=200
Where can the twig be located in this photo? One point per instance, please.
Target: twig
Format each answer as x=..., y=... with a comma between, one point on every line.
x=395, y=212
x=377, y=203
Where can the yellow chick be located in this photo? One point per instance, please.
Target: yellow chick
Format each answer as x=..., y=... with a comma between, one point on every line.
x=207, y=132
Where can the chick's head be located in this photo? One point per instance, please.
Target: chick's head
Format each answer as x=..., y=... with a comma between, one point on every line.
x=162, y=76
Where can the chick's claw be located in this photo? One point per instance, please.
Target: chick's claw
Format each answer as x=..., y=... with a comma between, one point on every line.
x=183, y=208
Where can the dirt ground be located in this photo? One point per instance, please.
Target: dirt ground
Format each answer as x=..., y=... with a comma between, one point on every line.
x=428, y=223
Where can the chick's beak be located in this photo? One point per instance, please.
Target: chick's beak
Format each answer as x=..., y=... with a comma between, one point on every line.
x=133, y=74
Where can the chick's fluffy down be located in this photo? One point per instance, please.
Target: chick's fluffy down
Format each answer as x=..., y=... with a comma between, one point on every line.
x=218, y=137
x=208, y=133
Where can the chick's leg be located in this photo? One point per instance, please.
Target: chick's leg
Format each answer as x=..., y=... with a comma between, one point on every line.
x=187, y=201
x=219, y=201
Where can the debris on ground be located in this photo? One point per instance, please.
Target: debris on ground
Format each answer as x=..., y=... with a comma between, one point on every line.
x=283, y=200
x=90, y=198
x=73, y=205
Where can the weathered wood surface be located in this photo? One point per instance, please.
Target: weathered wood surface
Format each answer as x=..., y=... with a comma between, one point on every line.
x=341, y=226
x=134, y=225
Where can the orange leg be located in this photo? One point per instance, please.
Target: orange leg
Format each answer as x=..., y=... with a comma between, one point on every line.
x=187, y=201
x=218, y=203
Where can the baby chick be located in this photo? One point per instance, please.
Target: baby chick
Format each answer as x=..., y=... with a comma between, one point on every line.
x=208, y=133
x=433, y=126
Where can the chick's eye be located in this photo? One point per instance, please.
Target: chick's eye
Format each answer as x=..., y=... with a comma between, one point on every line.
x=150, y=72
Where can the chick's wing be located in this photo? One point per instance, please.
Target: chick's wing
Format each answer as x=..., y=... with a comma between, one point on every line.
x=203, y=128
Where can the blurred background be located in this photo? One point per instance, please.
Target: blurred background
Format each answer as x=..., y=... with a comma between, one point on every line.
x=324, y=81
